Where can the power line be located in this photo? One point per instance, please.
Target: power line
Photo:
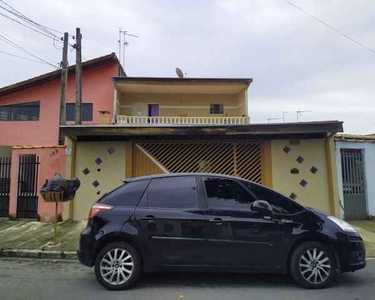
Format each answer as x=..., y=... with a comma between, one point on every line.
x=25, y=58
x=42, y=33
x=10, y=42
x=362, y=128
x=330, y=27
x=23, y=44
x=27, y=19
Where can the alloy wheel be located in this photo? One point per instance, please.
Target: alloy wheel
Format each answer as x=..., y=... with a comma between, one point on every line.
x=315, y=266
x=116, y=266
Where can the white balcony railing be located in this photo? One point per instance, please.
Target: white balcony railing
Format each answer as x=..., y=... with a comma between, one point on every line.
x=123, y=120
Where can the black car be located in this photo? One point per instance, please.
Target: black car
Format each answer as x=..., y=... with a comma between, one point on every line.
x=209, y=222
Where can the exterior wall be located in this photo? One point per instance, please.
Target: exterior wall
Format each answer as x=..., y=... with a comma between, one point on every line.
x=191, y=105
x=316, y=193
x=108, y=173
x=242, y=103
x=97, y=88
x=49, y=165
x=369, y=162
x=5, y=151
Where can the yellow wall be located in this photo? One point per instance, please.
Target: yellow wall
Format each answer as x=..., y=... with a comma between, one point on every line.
x=194, y=105
x=109, y=173
x=316, y=192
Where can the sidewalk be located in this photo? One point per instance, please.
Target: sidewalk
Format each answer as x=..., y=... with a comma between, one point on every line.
x=366, y=228
x=35, y=239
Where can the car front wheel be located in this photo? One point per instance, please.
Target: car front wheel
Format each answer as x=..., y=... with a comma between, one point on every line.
x=313, y=266
x=117, y=266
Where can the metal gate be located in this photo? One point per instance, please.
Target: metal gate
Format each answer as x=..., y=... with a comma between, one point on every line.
x=241, y=159
x=5, y=163
x=27, y=197
x=354, y=184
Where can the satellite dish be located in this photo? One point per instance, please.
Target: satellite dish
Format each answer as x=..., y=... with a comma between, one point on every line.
x=179, y=73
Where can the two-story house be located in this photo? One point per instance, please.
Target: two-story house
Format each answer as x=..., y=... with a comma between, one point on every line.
x=172, y=125
x=29, y=132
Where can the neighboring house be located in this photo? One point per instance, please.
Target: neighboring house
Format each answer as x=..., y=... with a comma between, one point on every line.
x=29, y=132
x=355, y=155
x=176, y=125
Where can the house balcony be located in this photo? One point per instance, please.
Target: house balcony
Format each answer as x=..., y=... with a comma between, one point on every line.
x=177, y=120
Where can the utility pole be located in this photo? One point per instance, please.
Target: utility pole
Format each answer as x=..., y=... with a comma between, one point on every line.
x=63, y=86
x=78, y=106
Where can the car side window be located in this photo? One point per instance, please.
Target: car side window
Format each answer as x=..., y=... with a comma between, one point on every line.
x=173, y=192
x=225, y=193
x=280, y=204
x=127, y=194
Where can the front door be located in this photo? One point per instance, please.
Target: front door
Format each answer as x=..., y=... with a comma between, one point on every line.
x=27, y=196
x=171, y=222
x=353, y=184
x=153, y=110
x=237, y=236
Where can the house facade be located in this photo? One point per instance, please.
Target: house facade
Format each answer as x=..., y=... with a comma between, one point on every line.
x=355, y=155
x=174, y=125
x=29, y=132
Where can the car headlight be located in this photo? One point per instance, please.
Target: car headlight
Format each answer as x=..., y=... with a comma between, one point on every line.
x=342, y=224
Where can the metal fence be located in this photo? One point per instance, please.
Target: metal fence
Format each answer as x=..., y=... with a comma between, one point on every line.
x=5, y=164
x=27, y=196
x=354, y=183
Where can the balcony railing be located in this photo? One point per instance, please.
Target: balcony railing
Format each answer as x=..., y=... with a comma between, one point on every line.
x=123, y=120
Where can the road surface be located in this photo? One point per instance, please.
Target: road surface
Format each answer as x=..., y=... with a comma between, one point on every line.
x=35, y=279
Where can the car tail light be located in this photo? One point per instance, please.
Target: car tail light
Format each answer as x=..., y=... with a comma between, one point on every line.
x=98, y=207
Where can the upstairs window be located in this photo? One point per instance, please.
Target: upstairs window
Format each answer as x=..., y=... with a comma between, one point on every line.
x=20, y=112
x=216, y=109
x=87, y=111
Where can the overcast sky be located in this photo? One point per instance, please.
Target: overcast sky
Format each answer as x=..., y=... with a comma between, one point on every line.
x=295, y=61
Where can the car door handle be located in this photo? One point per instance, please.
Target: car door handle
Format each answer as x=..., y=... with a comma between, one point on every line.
x=148, y=218
x=217, y=221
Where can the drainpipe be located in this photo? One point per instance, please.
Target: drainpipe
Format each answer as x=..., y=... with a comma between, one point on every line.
x=330, y=172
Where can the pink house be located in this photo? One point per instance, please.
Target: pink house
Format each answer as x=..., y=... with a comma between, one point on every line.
x=29, y=132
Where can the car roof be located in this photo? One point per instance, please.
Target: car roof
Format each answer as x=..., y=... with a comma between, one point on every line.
x=167, y=175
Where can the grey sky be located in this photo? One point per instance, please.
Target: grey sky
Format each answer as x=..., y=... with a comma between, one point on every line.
x=296, y=62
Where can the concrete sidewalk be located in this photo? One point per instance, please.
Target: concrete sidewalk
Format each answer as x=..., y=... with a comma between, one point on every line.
x=35, y=239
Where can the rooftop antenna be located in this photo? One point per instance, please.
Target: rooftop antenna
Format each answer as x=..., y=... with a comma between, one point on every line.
x=123, y=43
x=179, y=73
x=284, y=113
x=272, y=119
x=299, y=113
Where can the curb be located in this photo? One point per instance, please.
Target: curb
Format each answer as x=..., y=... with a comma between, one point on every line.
x=24, y=253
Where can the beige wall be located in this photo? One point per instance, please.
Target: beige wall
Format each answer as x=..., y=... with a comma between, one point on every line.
x=316, y=192
x=194, y=105
x=109, y=173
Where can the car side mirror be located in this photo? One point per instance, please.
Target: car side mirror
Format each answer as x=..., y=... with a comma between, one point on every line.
x=262, y=207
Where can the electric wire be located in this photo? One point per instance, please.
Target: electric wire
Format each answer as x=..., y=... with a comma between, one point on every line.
x=331, y=27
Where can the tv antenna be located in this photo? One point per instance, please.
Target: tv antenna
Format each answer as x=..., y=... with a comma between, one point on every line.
x=179, y=73
x=272, y=119
x=284, y=113
x=299, y=113
x=123, y=43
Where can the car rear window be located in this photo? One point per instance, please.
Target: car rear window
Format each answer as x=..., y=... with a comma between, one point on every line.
x=127, y=194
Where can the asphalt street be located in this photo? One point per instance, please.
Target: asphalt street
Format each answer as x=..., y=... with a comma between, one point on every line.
x=35, y=279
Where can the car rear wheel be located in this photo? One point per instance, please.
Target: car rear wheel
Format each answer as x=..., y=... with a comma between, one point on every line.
x=313, y=266
x=117, y=266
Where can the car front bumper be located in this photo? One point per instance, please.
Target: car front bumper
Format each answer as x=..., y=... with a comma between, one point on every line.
x=352, y=254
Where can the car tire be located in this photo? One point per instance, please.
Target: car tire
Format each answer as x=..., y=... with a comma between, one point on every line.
x=118, y=266
x=313, y=266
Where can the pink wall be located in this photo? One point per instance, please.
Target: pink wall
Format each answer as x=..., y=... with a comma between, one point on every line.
x=97, y=88
x=52, y=160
